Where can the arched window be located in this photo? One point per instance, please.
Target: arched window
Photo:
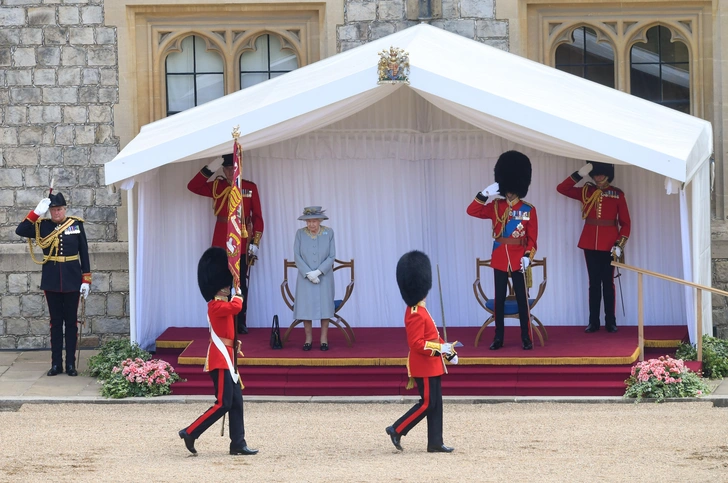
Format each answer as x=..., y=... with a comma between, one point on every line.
x=586, y=57
x=194, y=76
x=268, y=60
x=660, y=70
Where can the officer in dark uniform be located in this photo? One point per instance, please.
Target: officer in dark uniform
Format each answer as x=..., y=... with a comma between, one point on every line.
x=606, y=229
x=219, y=190
x=66, y=273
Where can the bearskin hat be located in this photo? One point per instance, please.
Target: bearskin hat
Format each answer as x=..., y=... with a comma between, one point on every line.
x=605, y=169
x=414, y=277
x=513, y=173
x=57, y=200
x=213, y=273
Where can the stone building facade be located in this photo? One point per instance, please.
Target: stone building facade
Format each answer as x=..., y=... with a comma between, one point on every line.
x=78, y=78
x=58, y=89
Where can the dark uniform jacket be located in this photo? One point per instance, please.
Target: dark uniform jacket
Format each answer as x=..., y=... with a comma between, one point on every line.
x=605, y=213
x=59, y=273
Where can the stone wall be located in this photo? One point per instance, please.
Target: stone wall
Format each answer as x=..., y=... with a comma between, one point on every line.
x=370, y=20
x=58, y=88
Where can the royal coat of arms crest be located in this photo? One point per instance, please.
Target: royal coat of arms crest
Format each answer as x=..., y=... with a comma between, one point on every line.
x=393, y=66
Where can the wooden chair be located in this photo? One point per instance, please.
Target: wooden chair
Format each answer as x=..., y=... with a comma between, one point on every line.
x=337, y=319
x=511, y=306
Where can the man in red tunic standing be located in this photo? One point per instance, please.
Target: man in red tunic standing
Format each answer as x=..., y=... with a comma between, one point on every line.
x=425, y=360
x=515, y=232
x=606, y=230
x=214, y=279
x=219, y=190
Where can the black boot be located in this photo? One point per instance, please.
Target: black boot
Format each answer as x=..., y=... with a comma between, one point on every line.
x=71, y=370
x=527, y=344
x=497, y=344
x=54, y=370
x=189, y=441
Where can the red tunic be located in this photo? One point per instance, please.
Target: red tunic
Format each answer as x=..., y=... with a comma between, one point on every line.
x=520, y=223
x=609, y=204
x=421, y=328
x=217, y=191
x=221, y=314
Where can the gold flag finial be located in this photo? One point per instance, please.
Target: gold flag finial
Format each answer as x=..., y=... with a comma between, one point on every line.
x=236, y=132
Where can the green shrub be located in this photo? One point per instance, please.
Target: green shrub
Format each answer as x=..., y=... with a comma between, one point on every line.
x=663, y=378
x=715, y=356
x=111, y=354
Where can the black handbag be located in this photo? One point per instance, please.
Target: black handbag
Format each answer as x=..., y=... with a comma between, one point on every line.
x=275, y=335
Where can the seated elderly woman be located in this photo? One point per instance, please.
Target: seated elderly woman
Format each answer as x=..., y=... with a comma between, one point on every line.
x=314, y=251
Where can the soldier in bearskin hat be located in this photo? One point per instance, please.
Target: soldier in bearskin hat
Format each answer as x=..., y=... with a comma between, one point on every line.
x=515, y=231
x=606, y=230
x=252, y=216
x=425, y=362
x=66, y=273
x=214, y=279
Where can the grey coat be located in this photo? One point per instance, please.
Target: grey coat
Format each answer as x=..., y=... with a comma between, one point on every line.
x=314, y=301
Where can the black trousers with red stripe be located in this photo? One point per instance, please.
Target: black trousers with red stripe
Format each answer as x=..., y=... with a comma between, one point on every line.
x=501, y=290
x=430, y=405
x=229, y=399
x=601, y=281
x=63, y=309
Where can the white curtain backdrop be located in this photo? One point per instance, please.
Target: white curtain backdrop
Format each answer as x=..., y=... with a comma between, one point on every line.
x=394, y=177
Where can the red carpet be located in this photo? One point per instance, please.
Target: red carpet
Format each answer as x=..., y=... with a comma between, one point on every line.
x=570, y=363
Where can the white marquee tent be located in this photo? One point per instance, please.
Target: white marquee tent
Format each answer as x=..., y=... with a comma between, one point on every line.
x=396, y=166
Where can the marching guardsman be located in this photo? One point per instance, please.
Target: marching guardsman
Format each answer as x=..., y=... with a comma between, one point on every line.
x=425, y=363
x=219, y=189
x=214, y=279
x=66, y=273
x=515, y=231
x=606, y=230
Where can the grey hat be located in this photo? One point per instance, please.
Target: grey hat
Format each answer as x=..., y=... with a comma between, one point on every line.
x=313, y=213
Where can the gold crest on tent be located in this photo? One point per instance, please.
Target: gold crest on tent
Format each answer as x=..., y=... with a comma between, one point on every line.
x=393, y=66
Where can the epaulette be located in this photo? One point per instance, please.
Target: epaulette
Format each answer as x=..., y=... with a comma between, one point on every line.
x=77, y=218
x=527, y=203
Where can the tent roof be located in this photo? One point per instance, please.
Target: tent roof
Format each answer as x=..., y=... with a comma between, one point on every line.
x=508, y=95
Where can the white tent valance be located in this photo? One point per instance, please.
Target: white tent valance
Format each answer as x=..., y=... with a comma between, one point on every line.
x=521, y=100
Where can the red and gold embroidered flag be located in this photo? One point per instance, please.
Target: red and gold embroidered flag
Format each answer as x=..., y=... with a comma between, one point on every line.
x=234, y=227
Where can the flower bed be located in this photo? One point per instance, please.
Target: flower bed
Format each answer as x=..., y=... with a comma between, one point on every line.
x=664, y=378
x=137, y=377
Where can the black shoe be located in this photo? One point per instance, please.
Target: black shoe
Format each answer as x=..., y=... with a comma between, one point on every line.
x=394, y=437
x=245, y=451
x=612, y=328
x=54, y=371
x=591, y=328
x=307, y=346
x=324, y=346
x=527, y=344
x=243, y=329
x=497, y=344
x=440, y=449
x=71, y=370
x=189, y=441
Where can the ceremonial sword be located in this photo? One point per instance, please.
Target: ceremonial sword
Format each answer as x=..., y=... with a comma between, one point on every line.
x=442, y=309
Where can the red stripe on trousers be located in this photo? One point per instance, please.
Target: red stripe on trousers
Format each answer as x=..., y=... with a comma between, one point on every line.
x=422, y=409
x=216, y=406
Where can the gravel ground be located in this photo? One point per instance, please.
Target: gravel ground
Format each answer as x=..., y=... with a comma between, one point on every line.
x=309, y=442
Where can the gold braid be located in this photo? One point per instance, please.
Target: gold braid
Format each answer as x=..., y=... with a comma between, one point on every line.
x=590, y=202
x=50, y=241
x=503, y=220
x=225, y=193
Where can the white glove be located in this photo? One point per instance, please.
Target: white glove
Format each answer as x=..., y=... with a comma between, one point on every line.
x=42, y=207
x=491, y=190
x=215, y=164
x=525, y=262
x=232, y=292
x=252, y=250
x=616, y=252
x=585, y=170
x=317, y=273
x=310, y=275
x=230, y=246
x=446, y=348
x=315, y=280
x=85, y=289
x=454, y=360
